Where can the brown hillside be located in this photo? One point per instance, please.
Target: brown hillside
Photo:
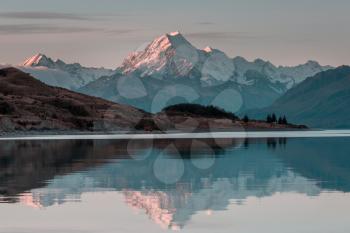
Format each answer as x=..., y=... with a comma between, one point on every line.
x=28, y=104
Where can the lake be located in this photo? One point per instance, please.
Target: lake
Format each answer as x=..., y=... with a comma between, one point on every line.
x=279, y=183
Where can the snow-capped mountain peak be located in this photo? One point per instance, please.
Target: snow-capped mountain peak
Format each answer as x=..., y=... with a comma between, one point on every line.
x=38, y=60
x=169, y=54
x=170, y=40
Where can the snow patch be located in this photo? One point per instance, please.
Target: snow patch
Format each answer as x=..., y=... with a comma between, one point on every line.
x=174, y=33
x=208, y=49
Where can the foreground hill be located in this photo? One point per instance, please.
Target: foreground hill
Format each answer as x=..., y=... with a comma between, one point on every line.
x=320, y=101
x=28, y=104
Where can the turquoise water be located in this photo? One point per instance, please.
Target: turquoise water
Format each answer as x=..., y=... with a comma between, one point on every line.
x=192, y=185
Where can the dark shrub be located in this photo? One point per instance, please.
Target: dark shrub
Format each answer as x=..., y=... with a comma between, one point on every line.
x=5, y=108
x=246, y=119
x=3, y=72
x=83, y=123
x=75, y=109
x=146, y=125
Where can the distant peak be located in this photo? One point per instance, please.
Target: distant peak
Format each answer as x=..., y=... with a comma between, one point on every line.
x=312, y=62
x=240, y=58
x=37, y=60
x=208, y=49
x=60, y=62
x=259, y=61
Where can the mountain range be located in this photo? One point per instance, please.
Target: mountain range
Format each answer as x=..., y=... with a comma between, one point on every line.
x=170, y=70
x=321, y=101
x=60, y=74
x=172, y=56
x=27, y=104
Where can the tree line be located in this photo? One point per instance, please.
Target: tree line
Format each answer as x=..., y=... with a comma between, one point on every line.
x=216, y=112
x=272, y=118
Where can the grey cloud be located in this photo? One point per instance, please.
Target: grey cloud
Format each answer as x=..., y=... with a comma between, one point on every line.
x=10, y=29
x=14, y=29
x=42, y=15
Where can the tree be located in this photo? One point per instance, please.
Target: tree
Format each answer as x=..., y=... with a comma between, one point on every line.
x=269, y=119
x=284, y=120
x=274, y=118
x=246, y=119
x=280, y=121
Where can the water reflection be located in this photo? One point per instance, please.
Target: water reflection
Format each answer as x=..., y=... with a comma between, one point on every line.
x=170, y=180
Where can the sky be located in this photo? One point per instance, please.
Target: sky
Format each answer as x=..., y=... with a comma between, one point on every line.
x=103, y=32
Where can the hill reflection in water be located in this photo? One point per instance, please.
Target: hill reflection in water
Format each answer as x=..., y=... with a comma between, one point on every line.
x=171, y=179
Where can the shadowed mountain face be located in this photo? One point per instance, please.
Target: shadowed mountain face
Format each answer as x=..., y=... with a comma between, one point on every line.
x=152, y=95
x=28, y=104
x=320, y=101
x=171, y=179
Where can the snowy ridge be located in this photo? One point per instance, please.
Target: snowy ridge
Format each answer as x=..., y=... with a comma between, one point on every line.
x=171, y=55
x=289, y=76
x=301, y=72
x=213, y=77
x=58, y=73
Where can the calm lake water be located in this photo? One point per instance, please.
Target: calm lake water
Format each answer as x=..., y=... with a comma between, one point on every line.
x=191, y=185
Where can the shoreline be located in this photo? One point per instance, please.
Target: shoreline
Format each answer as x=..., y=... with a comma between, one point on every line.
x=181, y=135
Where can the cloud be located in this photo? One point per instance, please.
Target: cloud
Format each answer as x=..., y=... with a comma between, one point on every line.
x=10, y=29
x=42, y=15
x=19, y=29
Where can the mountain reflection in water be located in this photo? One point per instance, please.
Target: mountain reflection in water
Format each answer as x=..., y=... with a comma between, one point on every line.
x=171, y=179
